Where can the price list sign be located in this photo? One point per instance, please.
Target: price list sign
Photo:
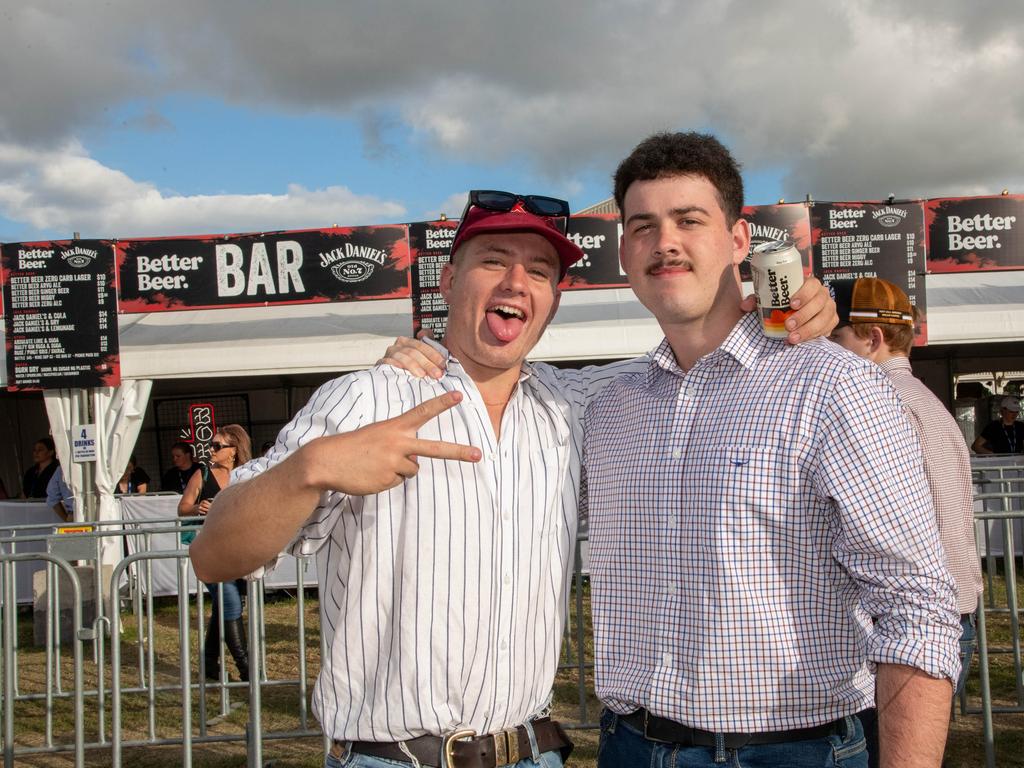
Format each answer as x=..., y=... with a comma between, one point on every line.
x=854, y=240
x=60, y=305
x=429, y=245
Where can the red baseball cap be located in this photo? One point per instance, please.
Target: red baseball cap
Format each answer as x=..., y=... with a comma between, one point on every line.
x=478, y=220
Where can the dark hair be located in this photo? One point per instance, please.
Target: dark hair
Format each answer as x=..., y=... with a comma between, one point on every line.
x=240, y=439
x=47, y=442
x=684, y=154
x=184, y=448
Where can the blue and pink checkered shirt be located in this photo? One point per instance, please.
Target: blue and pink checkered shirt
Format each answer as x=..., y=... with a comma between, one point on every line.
x=746, y=518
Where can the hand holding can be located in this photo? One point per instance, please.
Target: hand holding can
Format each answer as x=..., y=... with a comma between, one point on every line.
x=778, y=273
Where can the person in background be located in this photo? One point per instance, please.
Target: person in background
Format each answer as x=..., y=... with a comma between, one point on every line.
x=265, y=448
x=134, y=480
x=876, y=322
x=59, y=497
x=184, y=466
x=1005, y=434
x=230, y=448
x=37, y=477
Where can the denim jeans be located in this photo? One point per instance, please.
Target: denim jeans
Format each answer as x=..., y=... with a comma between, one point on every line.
x=968, y=635
x=547, y=760
x=234, y=597
x=623, y=746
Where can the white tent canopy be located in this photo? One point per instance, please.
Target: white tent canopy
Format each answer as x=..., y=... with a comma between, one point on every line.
x=963, y=308
x=590, y=325
x=978, y=307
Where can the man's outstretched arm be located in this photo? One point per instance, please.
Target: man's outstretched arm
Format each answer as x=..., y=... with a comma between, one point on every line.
x=251, y=522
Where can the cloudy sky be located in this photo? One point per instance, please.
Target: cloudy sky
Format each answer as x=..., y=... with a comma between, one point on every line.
x=139, y=118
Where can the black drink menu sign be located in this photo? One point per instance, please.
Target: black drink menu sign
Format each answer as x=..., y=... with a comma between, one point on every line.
x=60, y=314
x=853, y=240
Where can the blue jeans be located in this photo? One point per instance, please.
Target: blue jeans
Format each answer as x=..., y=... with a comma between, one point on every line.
x=968, y=635
x=234, y=597
x=547, y=760
x=623, y=746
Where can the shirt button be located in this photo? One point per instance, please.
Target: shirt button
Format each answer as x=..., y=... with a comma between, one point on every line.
x=492, y=456
x=507, y=579
x=504, y=645
x=671, y=589
x=666, y=659
x=676, y=453
x=672, y=522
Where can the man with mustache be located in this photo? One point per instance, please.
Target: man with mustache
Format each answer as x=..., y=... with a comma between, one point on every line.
x=748, y=501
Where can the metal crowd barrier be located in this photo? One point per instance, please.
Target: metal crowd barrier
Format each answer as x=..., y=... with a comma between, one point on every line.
x=133, y=676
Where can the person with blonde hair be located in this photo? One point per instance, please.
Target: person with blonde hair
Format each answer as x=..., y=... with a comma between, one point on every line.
x=230, y=447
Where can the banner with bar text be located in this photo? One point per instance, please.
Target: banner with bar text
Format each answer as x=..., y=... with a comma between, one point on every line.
x=246, y=270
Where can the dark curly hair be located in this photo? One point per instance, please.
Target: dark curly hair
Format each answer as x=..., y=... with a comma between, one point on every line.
x=684, y=154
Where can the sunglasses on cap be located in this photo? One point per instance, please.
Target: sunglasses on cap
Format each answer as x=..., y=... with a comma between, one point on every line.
x=538, y=205
x=217, y=446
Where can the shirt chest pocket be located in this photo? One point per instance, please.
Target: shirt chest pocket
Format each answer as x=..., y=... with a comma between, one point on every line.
x=750, y=498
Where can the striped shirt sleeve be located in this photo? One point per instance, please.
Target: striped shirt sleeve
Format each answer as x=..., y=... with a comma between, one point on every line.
x=336, y=407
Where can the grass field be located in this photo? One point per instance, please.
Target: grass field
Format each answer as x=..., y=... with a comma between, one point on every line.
x=281, y=705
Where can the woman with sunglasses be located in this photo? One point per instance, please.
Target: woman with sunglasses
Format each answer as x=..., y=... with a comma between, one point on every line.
x=230, y=448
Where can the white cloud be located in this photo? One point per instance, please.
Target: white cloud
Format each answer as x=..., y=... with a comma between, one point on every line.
x=855, y=99
x=452, y=206
x=65, y=190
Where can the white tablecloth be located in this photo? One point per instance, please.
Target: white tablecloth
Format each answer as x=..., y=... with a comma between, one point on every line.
x=155, y=512
x=26, y=513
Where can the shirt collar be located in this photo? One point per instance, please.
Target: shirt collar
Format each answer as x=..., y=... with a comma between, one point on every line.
x=897, y=363
x=454, y=367
x=744, y=344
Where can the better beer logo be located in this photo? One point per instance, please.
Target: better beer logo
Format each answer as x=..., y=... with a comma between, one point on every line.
x=353, y=263
x=79, y=257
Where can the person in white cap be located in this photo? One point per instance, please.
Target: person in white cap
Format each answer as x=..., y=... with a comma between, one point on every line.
x=1005, y=434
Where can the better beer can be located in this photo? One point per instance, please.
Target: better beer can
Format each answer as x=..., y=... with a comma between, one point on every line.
x=778, y=273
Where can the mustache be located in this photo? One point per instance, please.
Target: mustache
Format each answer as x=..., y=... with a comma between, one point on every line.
x=669, y=263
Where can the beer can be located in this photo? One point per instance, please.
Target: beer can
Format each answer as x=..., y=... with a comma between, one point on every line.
x=778, y=273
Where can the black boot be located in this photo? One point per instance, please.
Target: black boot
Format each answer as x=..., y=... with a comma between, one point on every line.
x=234, y=638
x=211, y=649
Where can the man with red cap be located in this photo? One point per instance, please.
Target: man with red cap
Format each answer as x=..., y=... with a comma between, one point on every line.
x=444, y=568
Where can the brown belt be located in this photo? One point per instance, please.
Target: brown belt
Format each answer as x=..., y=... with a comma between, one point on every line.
x=492, y=751
x=661, y=729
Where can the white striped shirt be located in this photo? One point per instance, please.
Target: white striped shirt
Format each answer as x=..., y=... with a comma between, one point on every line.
x=443, y=600
x=947, y=465
x=740, y=513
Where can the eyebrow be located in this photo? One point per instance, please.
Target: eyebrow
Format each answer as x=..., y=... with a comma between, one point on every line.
x=645, y=216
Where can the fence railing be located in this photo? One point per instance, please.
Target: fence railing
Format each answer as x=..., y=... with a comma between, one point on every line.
x=136, y=680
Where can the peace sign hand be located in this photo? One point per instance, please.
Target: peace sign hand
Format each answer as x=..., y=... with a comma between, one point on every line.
x=380, y=456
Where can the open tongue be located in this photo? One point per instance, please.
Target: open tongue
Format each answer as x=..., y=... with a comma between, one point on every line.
x=503, y=327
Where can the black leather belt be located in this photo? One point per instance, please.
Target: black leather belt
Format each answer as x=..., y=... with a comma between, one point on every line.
x=660, y=729
x=492, y=751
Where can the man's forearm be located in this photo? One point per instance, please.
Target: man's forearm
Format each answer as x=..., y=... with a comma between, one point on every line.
x=913, y=717
x=251, y=522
